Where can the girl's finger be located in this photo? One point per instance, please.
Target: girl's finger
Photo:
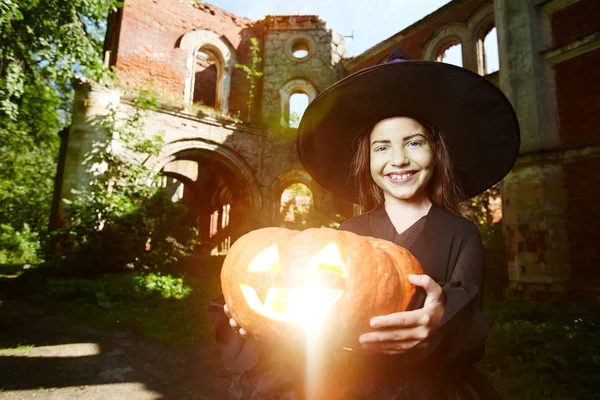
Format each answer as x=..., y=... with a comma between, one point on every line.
x=396, y=335
x=399, y=319
x=226, y=309
x=243, y=332
x=233, y=323
x=391, y=346
x=431, y=287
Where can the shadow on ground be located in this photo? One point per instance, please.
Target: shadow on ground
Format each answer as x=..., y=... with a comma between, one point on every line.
x=48, y=355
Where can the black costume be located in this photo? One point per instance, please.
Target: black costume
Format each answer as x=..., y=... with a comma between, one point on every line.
x=481, y=131
x=450, y=251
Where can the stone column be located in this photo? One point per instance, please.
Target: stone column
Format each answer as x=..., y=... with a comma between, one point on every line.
x=91, y=105
x=469, y=55
x=533, y=193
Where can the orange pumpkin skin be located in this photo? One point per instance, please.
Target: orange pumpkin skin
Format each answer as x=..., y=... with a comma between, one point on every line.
x=372, y=280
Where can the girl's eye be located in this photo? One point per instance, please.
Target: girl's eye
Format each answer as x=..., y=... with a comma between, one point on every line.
x=414, y=143
x=380, y=149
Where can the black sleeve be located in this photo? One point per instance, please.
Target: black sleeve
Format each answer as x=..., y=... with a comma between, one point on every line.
x=239, y=355
x=464, y=326
x=459, y=341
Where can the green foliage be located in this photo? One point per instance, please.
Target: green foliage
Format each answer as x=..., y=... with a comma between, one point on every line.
x=122, y=219
x=28, y=149
x=121, y=287
x=295, y=119
x=158, y=307
x=21, y=347
x=18, y=247
x=485, y=210
x=541, y=352
x=252, y=73
x=42, y=45
x=47, y=42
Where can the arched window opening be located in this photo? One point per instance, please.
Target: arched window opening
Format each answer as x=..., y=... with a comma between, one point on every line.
x=206, y=78
x=490, y=52
x=451, y=54
x=298, y=103
x=296, y=206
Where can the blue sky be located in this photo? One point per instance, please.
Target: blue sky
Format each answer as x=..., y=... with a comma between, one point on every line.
x=370, y=21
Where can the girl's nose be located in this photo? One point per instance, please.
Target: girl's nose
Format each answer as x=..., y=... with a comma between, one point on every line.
x=399, y=156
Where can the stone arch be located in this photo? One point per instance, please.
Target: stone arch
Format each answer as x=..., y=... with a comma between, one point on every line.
x=451, y=33
x=222, y=53
x=219, y=155
x=293, y=86
x=479, y=25
x=221, y=220
x=184, y=171
x=286, y=179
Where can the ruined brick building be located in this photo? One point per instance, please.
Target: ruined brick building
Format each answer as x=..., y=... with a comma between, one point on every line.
x=233, y=164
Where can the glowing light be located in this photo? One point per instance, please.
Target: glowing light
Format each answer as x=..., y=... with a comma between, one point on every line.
x=328, y=259
x=306, y=306
x=265, y=261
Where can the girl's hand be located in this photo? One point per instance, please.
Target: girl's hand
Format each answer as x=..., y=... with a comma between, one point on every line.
x=234, y=324
x=399, y=332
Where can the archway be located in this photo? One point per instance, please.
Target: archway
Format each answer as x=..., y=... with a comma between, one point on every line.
x=221, y=188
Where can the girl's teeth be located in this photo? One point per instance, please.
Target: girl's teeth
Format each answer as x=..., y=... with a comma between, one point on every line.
x=400, y=177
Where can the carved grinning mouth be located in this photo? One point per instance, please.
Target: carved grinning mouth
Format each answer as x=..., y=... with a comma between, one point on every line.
x=292, y=305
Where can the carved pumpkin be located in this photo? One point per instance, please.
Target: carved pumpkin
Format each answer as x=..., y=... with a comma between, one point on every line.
x=277, y=281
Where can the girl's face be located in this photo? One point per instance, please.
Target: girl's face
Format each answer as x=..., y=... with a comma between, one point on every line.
x=401, y=159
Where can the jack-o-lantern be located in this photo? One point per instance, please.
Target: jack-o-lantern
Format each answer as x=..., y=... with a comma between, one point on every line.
x=277, y=281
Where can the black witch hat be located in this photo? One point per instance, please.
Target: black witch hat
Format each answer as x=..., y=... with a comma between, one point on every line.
x=475, y=117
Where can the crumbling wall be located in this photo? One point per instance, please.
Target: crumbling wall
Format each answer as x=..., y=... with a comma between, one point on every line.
x=146, y=36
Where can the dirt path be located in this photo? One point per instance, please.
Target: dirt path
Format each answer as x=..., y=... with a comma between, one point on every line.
x=74, y=361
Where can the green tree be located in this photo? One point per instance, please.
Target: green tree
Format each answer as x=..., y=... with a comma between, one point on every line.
x=122, y=220
x=43, y=44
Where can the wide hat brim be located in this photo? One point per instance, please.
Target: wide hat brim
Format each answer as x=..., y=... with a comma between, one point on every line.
x=475, y=117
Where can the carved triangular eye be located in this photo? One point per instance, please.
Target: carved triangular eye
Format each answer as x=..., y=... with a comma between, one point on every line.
x=329, y=259
x=266, y=261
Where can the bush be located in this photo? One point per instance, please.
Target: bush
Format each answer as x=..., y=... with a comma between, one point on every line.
x=122, y=220
x=125, y=286
x=18, y=247
x=542, y=352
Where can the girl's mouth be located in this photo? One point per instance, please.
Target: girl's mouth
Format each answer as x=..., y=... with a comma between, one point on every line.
x=401, y=177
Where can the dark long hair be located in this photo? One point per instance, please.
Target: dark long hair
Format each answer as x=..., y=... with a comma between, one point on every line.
x=443, y=189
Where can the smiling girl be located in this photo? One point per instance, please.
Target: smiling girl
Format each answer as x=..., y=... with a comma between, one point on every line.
x=407, y=141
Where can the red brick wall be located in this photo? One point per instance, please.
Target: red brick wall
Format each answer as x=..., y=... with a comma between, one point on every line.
x=578, y=97
x=417, y=35
x=148, y=38
x=583, y=213
x=575, y=21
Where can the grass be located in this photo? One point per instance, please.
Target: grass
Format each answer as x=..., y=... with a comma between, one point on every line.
x=544, y=351
x=11, y=270
x=162, y=308
x=21, y=347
